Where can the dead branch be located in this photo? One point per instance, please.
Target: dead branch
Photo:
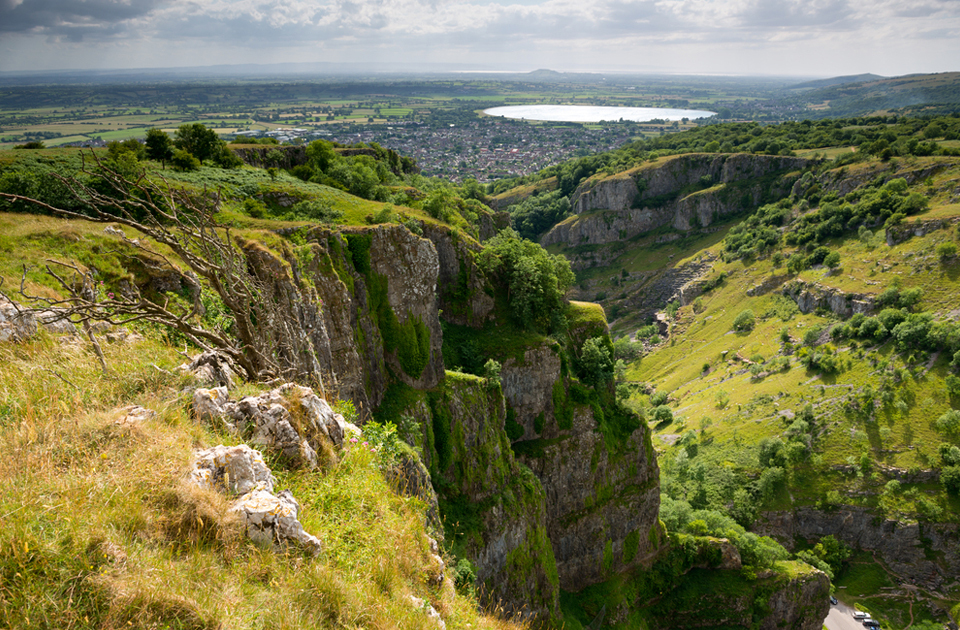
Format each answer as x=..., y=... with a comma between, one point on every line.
x=269, y=340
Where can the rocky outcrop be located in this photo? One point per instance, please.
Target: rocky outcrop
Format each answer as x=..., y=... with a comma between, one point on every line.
x=794, y=596
x=897, y=234
x=657, y=195
x=290, y=420
x=921, y=554
x=811, y=296
x=270, y=519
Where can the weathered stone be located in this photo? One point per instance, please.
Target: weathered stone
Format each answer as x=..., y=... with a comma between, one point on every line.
x=272, y=520
x=211, y=368
x=812, y=296
x=135, y=414
x=528, y=387
x=922, y=554
x=16, y=322
x=429, y=611
x=613, y=208
x=232, y=469
x=210, y=404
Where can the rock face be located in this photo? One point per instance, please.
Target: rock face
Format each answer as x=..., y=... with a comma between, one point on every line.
x=469, y=453
x=799, y=601
x=897, y=234
x=463, y=292
x=924, y=555
x=651, y=196
x=601, y=502
x=812, y=296
x=377, y=290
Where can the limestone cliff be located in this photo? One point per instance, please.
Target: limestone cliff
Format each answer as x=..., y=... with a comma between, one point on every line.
x=920, y=554
x=597, y=467
x=794, y=596
x=684, y=192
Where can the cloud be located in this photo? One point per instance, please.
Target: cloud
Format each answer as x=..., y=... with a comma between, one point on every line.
x=70, y=19
x=550, y=33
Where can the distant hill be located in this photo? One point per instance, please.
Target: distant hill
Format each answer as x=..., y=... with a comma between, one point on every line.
x=911, y=94
x=822, y=83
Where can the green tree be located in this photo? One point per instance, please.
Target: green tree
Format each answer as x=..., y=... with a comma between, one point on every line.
x=596, y=362
x=744, y=321
x=198, y=140
x=536, y=281
x=159, y=146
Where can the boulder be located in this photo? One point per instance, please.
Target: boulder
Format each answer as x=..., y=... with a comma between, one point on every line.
x=211, y=368
x=16, y=323
x=232, y=470
x=291, y=420
x=240, y=470
x=272, y=520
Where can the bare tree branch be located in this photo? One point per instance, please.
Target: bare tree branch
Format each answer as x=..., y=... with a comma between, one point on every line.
x=269, y=341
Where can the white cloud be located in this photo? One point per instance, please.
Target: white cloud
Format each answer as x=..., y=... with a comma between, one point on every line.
x=673, y=35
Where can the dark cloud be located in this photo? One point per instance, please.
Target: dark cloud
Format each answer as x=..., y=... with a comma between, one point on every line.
x=69, y=19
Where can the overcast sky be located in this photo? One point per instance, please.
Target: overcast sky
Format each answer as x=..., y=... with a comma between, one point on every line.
x=792, y=37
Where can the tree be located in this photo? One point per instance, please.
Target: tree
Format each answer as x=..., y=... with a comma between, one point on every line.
x=744, y=321
x=596, y=364
x=198, y=140
x=159, y=146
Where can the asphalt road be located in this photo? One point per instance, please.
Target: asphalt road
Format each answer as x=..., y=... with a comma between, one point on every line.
x=841, y=618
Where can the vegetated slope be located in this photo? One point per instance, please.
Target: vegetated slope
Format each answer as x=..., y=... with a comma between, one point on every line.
x=366, y=302
x=803, y=379
x=911, y=94
x=545, y=482
x=821, y=83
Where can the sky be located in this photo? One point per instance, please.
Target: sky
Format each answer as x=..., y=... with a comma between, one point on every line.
x=811, y=38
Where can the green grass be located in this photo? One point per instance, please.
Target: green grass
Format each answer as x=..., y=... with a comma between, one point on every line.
x=98, y=529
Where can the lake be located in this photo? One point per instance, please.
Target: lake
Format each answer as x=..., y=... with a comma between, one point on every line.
x=591, y=113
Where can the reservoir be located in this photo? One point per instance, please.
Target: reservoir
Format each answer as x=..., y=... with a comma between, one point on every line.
x=592, y=113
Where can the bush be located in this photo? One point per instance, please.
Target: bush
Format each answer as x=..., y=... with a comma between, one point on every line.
x=744, y=321
x=950, y=479
x=184, y=161
x=949, y=422
x=946, y=250
x=491, y=371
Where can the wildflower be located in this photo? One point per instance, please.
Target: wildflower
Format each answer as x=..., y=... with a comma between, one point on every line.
x=354, y=440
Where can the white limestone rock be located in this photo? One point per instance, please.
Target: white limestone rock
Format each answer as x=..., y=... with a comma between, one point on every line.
x=232, y=469
x=211, y=404
x=212, y=368
x=430, y=611
x=272, y=519
x=16, y=322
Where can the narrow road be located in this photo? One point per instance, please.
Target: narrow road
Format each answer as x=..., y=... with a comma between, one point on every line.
x=841, y=618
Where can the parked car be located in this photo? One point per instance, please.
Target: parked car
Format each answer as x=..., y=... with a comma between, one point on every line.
x=859, y=614
x=833, y=600
x=871, y=623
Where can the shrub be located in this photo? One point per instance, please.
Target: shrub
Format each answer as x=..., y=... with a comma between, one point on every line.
x=184, y=161
x=744, y=321
x=950, y=479
x=491, y=371
x=949, y=422
x=946, y=250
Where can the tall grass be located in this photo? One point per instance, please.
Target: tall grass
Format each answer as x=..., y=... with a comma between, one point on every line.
x=99, y=530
